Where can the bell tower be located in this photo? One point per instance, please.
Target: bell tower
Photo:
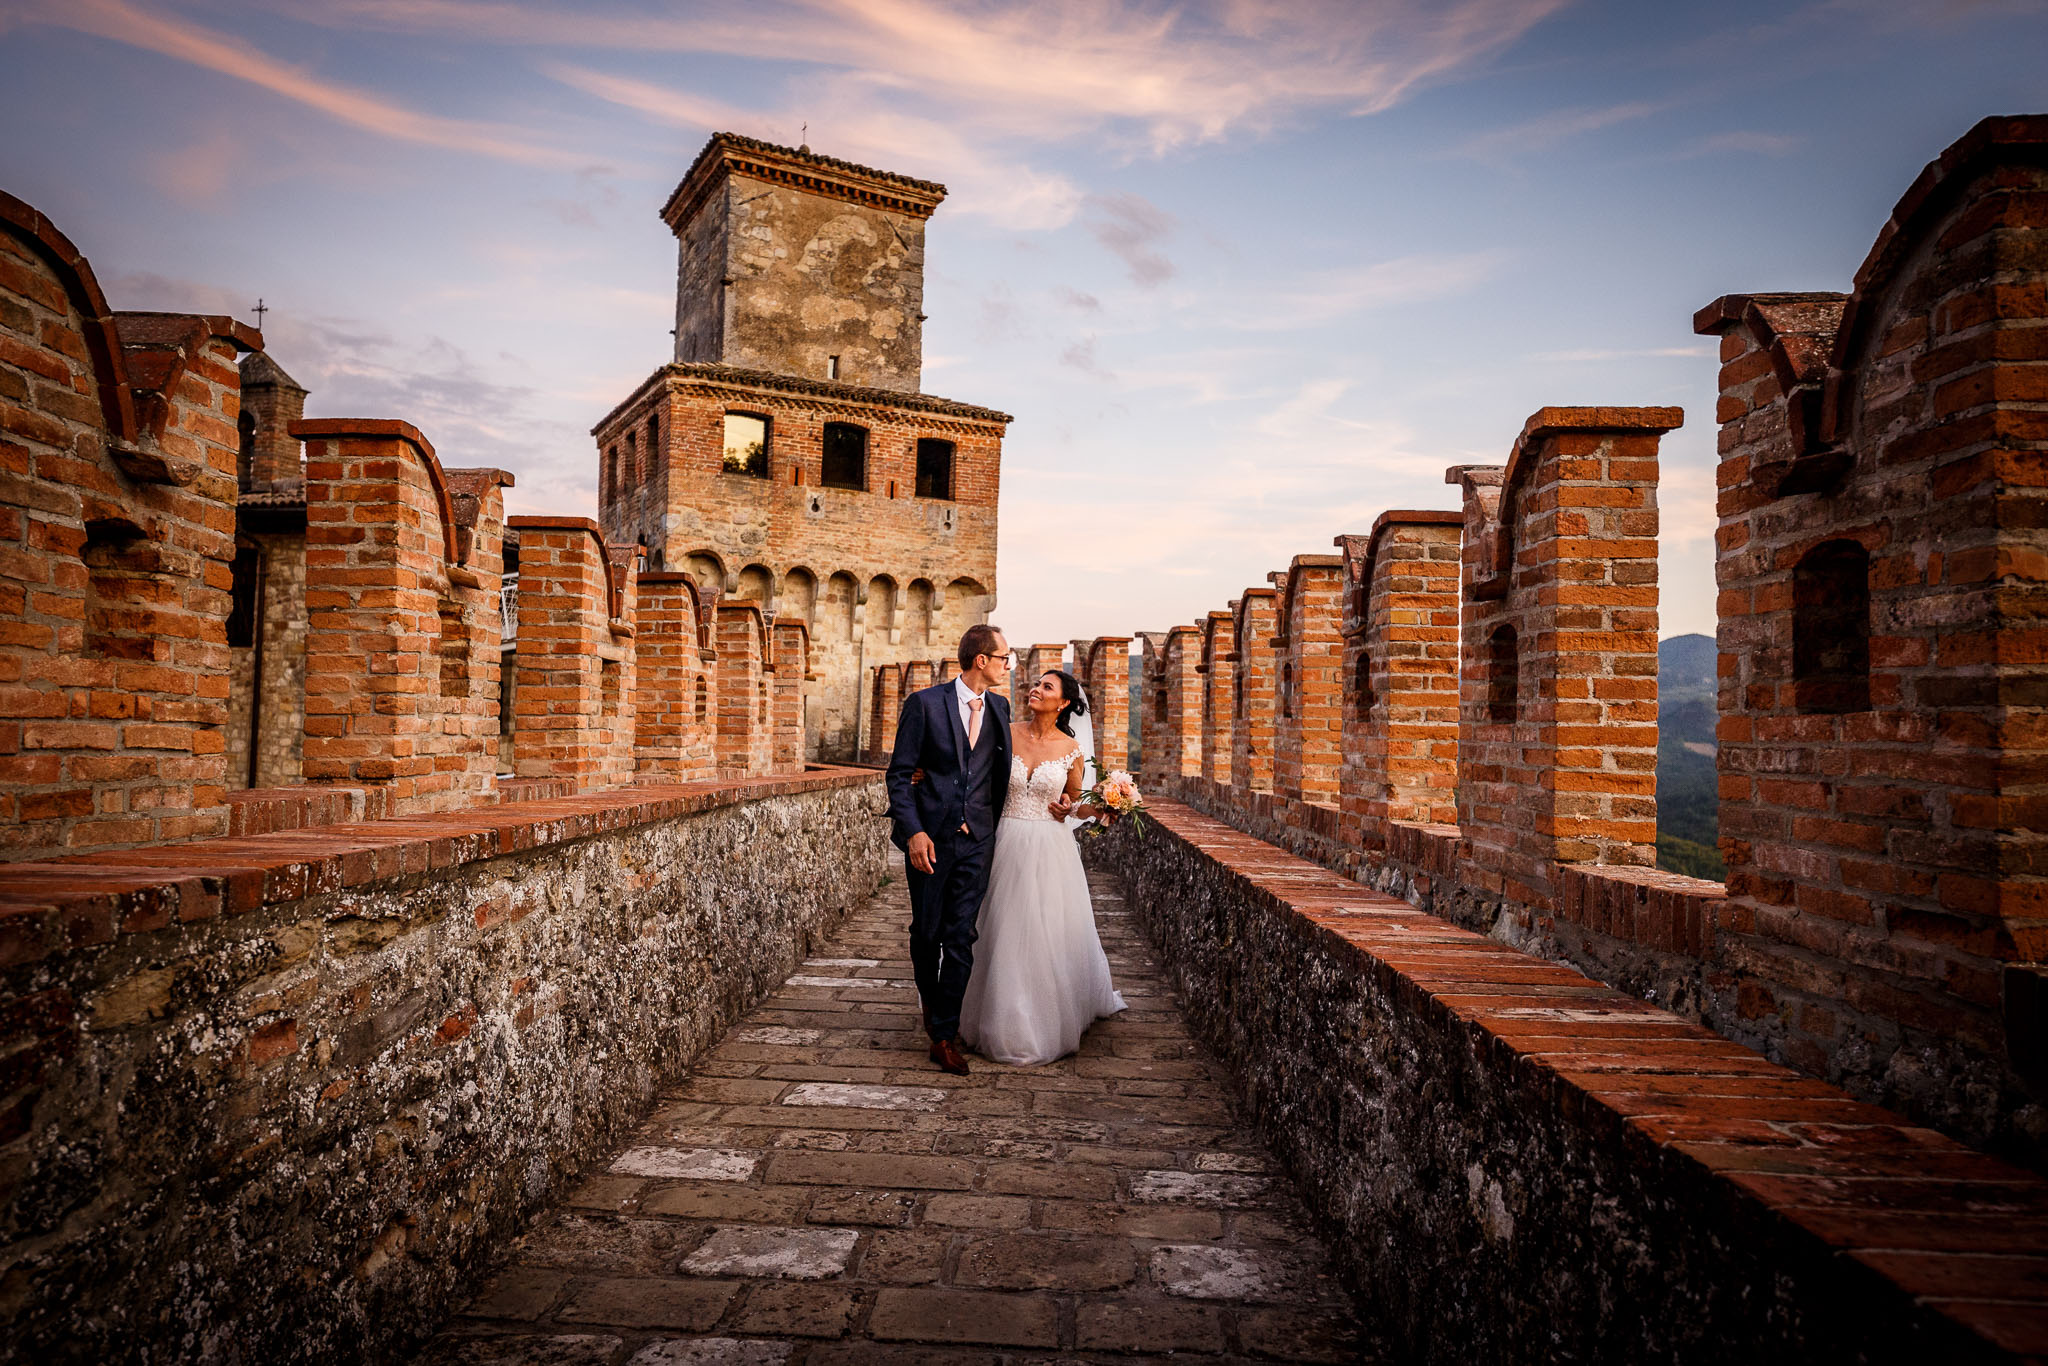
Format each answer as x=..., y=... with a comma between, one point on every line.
x=802, y=265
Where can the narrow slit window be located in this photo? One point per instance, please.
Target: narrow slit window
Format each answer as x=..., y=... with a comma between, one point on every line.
x=1503, y=676
x=934, y=468
x=1361, y=685
x=846, y=456
x=746, y=444
x=1831, y=630
x=654, y=451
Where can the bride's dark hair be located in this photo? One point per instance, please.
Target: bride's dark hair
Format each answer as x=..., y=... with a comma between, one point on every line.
x=1070, y=689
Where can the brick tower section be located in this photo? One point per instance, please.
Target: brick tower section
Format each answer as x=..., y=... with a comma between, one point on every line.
x=1401, y=672
x=1106, y=675
x=1557, y=745
x=1884, y=576
x=1254, y=689
x=272, y=401
x=673, y=666
x=786, y=455
x=574, y=701
x=1219, y=694
x=745, y=674
x=401, y=688
x=1308, y=732
x=791, y=643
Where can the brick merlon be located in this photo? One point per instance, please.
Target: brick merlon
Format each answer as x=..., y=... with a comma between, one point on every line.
x=389, y=429
x=611, y=580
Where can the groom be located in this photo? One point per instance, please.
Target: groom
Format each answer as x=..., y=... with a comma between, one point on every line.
x=958, y=734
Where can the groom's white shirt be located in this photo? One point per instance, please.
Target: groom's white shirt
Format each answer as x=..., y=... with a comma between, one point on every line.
x=964, y=697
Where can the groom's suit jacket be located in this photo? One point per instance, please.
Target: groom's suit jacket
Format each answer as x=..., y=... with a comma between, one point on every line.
x=931, y=736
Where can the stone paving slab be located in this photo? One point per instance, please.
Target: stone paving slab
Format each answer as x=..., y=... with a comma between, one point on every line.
x=816, y=1193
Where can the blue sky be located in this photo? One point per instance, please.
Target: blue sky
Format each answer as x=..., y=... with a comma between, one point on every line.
x=1246, y=272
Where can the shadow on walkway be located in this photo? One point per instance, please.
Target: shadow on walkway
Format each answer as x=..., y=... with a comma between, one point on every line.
x=817, y=1192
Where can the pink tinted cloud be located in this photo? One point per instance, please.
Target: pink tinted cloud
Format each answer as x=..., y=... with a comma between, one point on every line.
x=154, y=31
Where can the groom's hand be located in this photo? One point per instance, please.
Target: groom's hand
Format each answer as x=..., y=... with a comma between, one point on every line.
x=924, y=854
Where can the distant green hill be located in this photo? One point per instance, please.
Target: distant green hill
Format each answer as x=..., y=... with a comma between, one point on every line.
x=1688, y=796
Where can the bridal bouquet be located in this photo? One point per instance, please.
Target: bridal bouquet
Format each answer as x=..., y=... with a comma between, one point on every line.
x=1117, y=793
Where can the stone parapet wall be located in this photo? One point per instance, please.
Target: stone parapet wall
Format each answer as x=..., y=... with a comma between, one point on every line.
x=280, y=1098
x=1516, y=1163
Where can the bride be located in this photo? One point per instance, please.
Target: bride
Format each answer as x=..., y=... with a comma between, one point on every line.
x=1040, y=977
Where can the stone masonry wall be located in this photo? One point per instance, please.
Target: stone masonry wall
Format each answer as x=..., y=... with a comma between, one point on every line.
x=1516, y=1163
x=283, y=1098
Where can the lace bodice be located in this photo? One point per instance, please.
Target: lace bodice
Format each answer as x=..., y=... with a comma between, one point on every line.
x=1032, y=789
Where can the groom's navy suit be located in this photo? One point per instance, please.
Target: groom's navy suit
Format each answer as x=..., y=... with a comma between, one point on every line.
x=961, y=787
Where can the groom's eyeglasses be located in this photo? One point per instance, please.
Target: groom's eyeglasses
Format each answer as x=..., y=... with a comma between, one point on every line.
x=1006, y=656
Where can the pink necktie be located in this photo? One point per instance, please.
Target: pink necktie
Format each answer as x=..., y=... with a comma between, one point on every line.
x=973, y=721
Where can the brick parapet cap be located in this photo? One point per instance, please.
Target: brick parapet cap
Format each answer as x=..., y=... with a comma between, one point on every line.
x=1470, y=477
x=478, y=479
x=1565, y=1035
x=738, y=382
x=81, y=286
x=1549, y=422
x=153, y=330
x=92, y=897
x=801, y=168
x=389, y=429
x=1730, y=309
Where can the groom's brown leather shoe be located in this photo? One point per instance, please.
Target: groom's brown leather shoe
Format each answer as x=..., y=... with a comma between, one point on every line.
x=946, y=1053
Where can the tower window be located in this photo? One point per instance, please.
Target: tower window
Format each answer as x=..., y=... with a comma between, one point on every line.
x=934, y=468
x=1831, y=629
x=654, y=451
x=629, y=474
x=846, y=456
x=608, y=476
x=831, y=367
x=746, y=444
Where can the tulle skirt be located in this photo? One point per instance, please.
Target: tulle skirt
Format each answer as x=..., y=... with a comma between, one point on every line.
x=1040, y=976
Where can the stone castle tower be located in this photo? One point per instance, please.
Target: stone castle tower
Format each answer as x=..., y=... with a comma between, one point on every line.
x=787, y=455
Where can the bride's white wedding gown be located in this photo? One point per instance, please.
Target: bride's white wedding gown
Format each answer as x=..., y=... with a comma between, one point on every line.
x=1040, y=976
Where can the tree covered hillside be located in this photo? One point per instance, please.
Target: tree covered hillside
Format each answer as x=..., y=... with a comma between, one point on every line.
x=1688, y=800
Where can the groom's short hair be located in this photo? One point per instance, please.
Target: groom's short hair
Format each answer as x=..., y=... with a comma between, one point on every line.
x=979, y=640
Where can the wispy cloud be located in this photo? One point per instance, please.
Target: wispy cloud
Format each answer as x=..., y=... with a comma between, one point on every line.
x=1760, y=144
x=1685, y=352
x=1133, y=227
x=210, y=50
x=1322, y=297
x=1547, y=130
x=1159, y=75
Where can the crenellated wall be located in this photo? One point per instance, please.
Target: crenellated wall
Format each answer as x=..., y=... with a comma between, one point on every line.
x=1883, y=567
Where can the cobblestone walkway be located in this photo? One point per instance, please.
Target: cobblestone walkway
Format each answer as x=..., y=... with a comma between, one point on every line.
x=817, y=1192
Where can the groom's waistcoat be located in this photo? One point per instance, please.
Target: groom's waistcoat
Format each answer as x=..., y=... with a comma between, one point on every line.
x=980, y=809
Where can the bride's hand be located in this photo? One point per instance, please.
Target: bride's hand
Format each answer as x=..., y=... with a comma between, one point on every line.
x=1061, y=808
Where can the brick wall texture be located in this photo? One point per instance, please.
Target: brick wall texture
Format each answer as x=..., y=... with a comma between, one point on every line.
x=1883, y=571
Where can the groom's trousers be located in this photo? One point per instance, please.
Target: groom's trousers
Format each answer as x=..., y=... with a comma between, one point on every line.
x=944, y=906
